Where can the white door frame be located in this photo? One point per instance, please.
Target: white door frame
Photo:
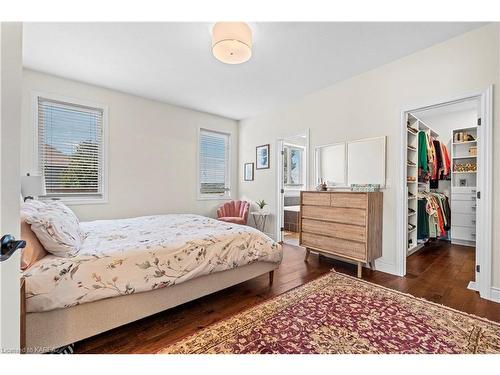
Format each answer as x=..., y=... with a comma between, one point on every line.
x=279, y=175
x=484, y=185
x=10, y=178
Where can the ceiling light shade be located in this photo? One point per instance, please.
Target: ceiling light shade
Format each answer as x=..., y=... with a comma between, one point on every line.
x=232, y=42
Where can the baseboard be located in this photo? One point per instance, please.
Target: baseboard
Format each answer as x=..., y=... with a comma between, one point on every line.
x=472, y=286
x=495, y=294
x=386, y=267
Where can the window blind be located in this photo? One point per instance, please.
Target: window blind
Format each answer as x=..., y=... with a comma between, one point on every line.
x=214, y=163
x=70, y=149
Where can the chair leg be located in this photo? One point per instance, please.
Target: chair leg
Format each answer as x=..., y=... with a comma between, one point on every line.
x=271, y=277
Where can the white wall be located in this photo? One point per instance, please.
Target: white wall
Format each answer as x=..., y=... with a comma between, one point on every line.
x=370, y=105
x=152, y=154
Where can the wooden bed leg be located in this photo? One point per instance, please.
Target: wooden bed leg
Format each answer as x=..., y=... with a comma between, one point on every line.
x=307, y=255
x=271, y=277
x=360, y=270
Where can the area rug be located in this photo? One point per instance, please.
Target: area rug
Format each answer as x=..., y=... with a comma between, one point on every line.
x=341, y=314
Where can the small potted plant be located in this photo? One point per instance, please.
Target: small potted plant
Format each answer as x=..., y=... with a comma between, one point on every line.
x=262, y=203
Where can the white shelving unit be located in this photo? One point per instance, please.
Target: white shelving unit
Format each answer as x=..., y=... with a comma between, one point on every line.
x=412, y=185
x=463, y=190
x=414, y=125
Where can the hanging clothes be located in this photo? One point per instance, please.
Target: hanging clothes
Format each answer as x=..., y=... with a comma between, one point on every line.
x=445, y=173
x=433, y=160
x=422, y=220
x=438, y=162
x=434, y=215
x=423, y=162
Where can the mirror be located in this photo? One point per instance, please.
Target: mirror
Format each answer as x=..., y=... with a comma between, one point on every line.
x=354, y=162
x=331, y=165
x=366, y=161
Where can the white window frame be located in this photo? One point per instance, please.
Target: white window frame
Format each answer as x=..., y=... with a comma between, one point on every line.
x=295, y=187
x=104, y=152
x=227, y=194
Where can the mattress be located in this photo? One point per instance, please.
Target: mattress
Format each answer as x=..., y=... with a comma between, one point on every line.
x=127, y=256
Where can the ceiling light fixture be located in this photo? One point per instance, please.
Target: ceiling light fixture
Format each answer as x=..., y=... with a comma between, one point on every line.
x=232, y=42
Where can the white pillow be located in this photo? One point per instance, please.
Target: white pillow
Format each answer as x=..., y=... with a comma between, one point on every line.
x=57, y=228
x=31, y=207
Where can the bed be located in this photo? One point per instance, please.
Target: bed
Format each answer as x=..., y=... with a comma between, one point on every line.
x=132, y=268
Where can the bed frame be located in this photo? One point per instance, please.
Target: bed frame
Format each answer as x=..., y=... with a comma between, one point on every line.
x=48, y=330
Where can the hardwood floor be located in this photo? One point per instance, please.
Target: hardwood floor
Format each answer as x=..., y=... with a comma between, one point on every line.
x=439, y=272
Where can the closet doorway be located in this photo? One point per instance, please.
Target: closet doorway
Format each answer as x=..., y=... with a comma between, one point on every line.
x=292, y=179
x=446, y=195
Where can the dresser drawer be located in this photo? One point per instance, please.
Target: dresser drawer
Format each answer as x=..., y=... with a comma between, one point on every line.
x=339, y=215
x=344, y=231
x=349, y=200
x=463, y=197
x=463, y=190
x=463, y=220
x=463, y=207
x=316, y=199
x=463, y=233
x=335, y=246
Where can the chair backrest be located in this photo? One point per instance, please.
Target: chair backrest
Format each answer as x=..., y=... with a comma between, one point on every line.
x=234, y=209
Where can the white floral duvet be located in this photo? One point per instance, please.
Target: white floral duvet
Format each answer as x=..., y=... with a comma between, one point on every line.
x=135, y=255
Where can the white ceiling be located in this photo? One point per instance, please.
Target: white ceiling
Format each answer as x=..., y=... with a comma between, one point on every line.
x=172, y=62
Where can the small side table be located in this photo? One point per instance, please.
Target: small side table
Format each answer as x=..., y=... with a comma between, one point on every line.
x=260, y=218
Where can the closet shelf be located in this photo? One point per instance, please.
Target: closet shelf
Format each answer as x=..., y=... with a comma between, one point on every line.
x=464, y=143
x=412, y=214
x=465, y=172
x=465, y=157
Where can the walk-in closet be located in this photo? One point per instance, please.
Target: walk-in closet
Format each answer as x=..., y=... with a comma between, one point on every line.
x=441, y=179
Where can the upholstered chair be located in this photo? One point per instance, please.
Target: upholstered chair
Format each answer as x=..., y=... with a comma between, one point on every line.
x=234, y=212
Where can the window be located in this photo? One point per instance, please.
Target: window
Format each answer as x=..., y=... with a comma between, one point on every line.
x=70, y=149
x=292, y=166
x=213, y=165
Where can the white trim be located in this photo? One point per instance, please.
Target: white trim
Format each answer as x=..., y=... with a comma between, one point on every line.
x=279, y=175
x=472, y=286
x=279, y=185
x=495, y=294
x=484, y=184
x=104, y=150
x=228, y=195
x=484, y=219
x=386, y=267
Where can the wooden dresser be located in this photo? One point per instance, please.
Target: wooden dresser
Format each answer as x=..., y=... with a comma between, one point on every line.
x=344, y=224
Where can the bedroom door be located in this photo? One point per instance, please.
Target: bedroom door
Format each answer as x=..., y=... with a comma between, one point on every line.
x=10, y=137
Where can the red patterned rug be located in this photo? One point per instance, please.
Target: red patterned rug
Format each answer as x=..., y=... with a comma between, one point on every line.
x=341, y=314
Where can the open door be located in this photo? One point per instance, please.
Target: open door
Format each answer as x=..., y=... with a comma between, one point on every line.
x=10, y=137
x=281, y=192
